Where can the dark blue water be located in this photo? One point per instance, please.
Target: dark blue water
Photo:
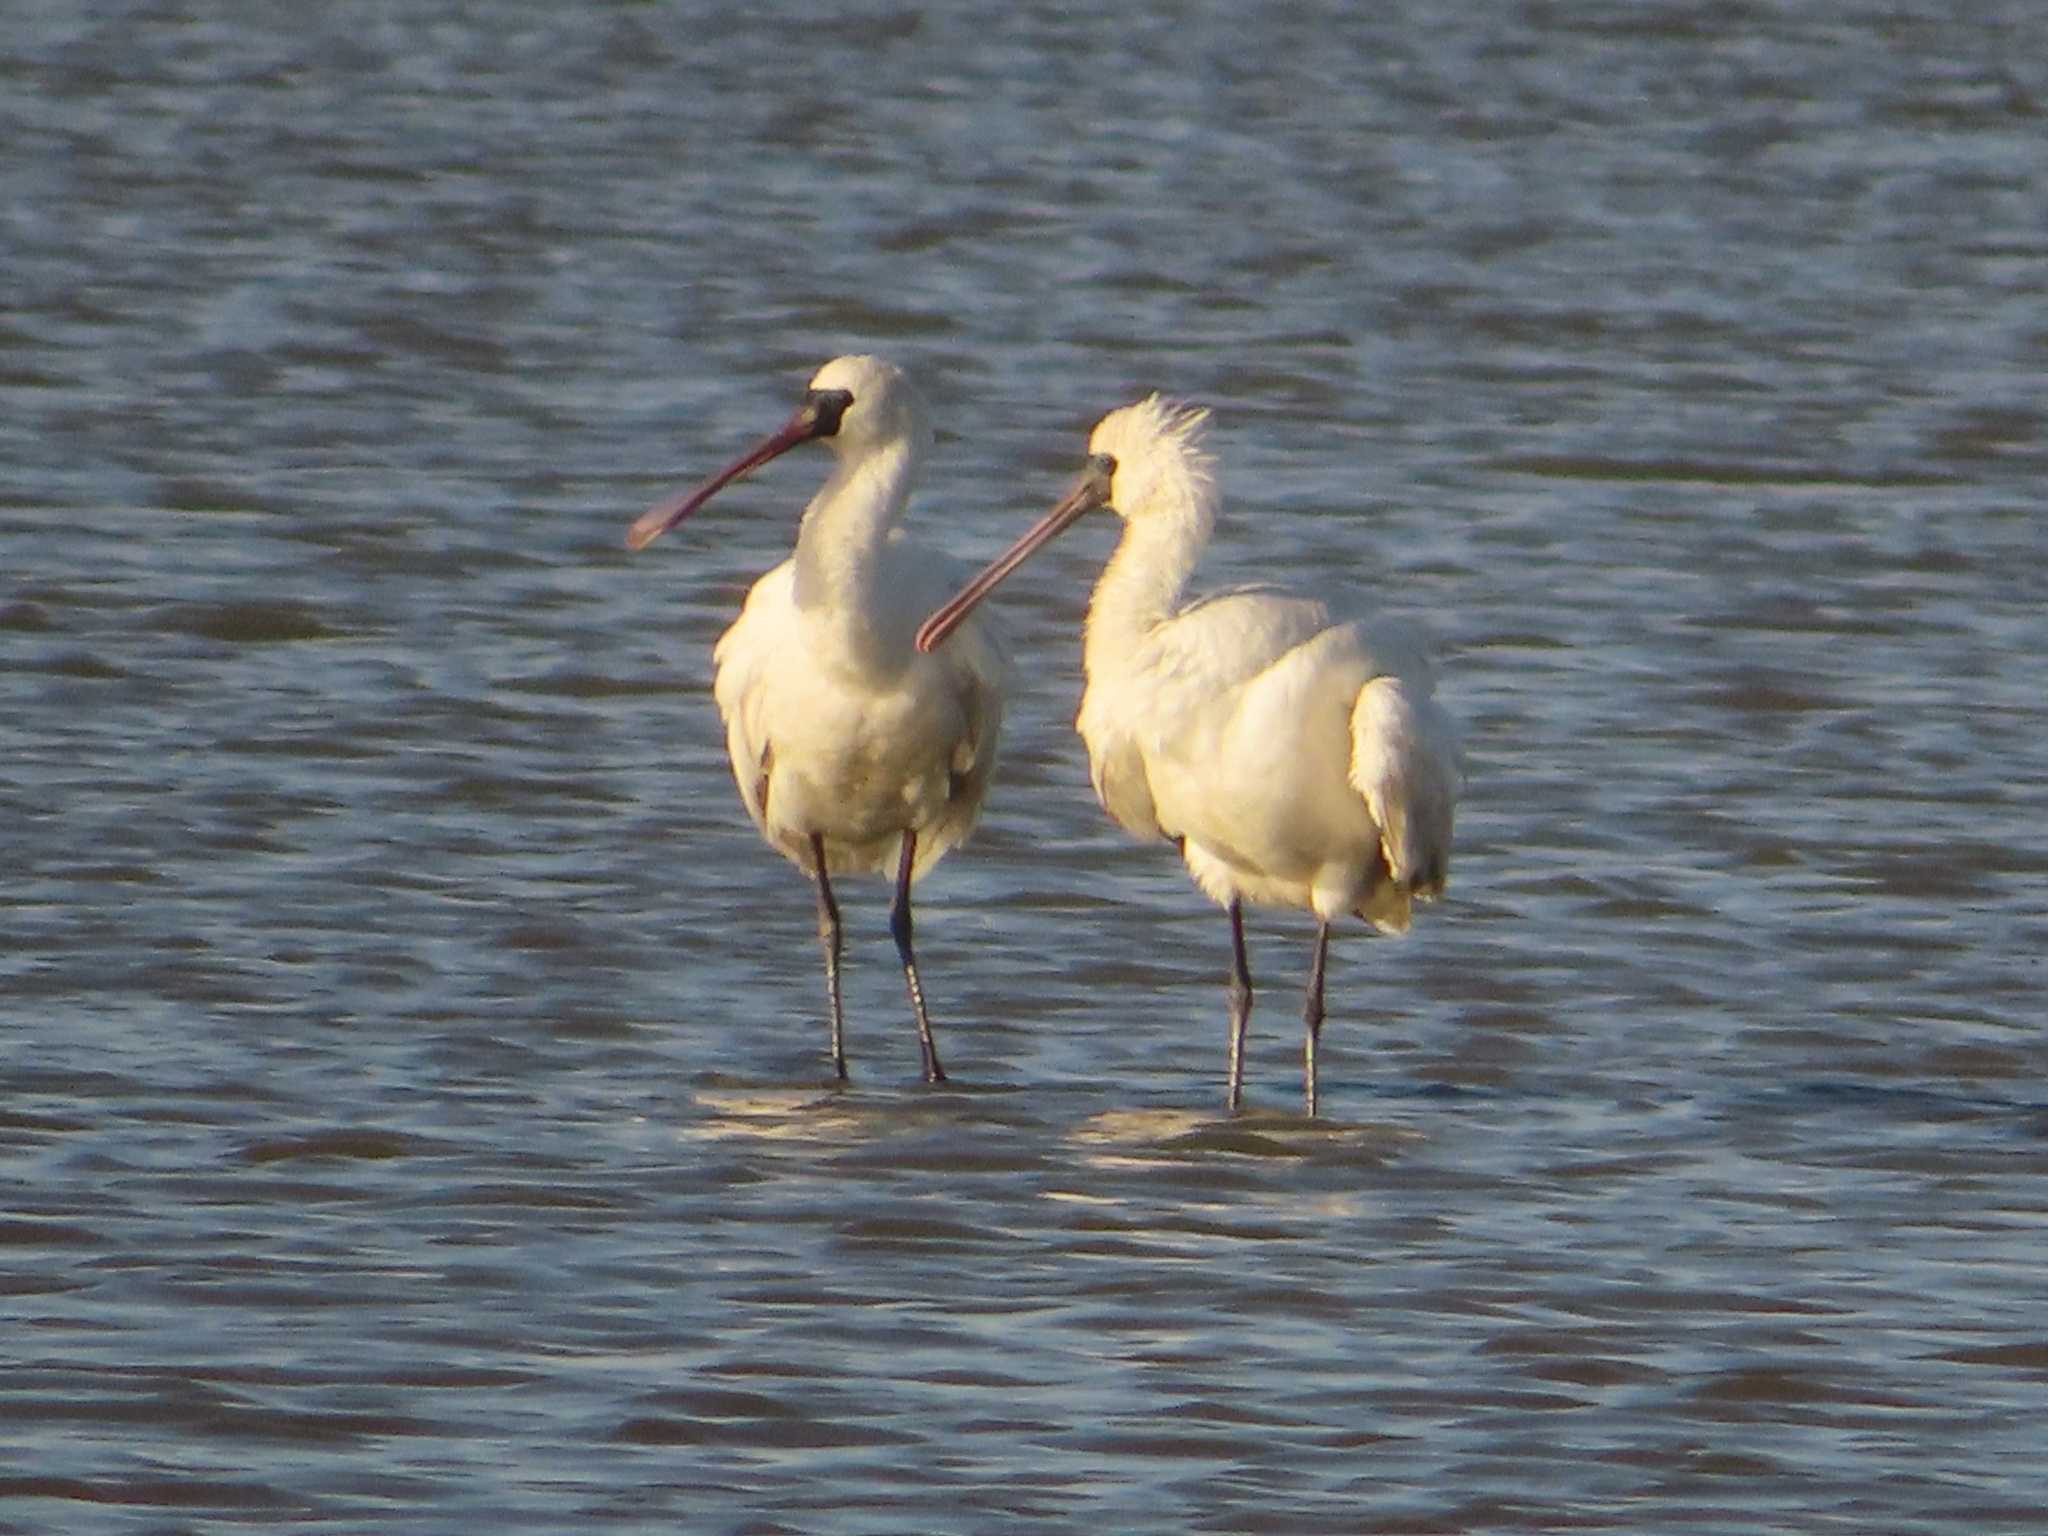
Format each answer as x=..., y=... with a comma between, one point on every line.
x=412, y=1089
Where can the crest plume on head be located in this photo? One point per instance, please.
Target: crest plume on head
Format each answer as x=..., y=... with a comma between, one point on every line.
x=1157, y=443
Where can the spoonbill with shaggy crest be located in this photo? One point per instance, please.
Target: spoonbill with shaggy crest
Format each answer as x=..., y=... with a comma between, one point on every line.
x=856, y=751
x=1298, y=759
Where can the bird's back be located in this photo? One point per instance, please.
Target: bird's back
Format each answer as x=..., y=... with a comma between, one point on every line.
x=1241, y=724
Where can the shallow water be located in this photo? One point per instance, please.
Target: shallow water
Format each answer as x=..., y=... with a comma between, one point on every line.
x=414, y=1103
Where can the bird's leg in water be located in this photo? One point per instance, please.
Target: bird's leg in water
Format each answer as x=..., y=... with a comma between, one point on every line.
x=1312, y=1012
x=1240, y=1005
x=899, y=929
x=828, y=935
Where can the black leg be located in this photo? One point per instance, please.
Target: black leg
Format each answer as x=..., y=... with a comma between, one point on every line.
x=828, y=935
x=899, y=929
x=1240, y=1005
x=1312, y=1012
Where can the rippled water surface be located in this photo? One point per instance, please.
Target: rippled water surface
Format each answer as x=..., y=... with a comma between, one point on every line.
x=412, y=1093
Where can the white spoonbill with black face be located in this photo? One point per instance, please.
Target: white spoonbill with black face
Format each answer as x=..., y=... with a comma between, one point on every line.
x=1297, y=758
x=855, y=751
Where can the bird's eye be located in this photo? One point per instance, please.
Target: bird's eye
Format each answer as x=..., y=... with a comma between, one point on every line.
x=1103, y=464
x=828, y=408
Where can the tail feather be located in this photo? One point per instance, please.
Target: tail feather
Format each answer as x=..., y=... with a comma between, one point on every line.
x=1404, y=761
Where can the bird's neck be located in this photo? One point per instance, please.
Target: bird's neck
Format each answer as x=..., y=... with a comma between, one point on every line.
x=1146, y=580
x=838, y=556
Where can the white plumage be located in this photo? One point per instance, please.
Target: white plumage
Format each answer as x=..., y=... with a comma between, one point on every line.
x=855, y=753
x=1298, y=758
